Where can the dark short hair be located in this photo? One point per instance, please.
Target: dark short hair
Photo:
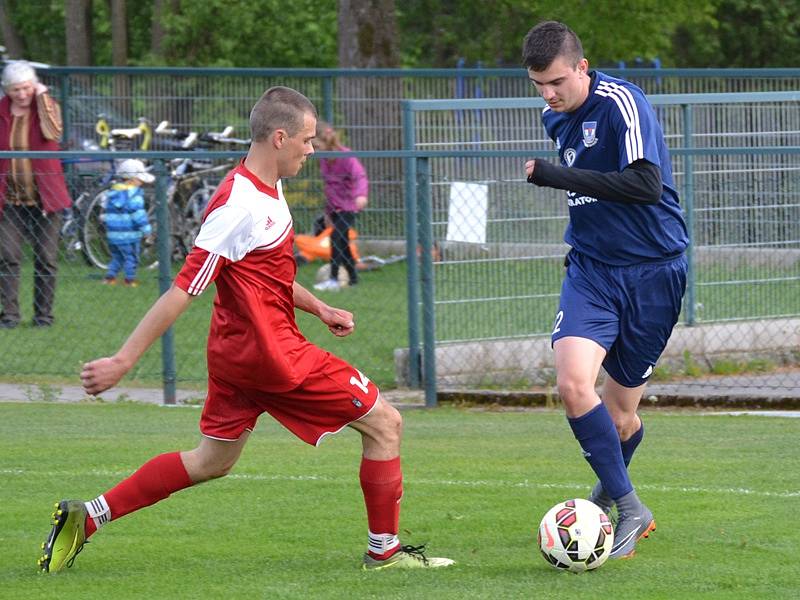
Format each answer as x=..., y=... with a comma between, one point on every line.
x=547, y=41
x=279, y=108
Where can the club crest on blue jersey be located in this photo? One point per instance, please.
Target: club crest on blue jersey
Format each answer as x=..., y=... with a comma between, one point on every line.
x=589, y=133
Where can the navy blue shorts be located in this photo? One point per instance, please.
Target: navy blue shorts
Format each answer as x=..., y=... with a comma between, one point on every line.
x=630, y=311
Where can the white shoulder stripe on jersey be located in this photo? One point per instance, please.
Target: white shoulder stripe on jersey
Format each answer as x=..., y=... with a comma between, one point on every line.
x=628, y=113
x=624, y=100
x=203, y=277
x=634, y=108
x=627, y=105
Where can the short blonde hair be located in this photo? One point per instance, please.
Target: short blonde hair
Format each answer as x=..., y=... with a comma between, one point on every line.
x=18, y=71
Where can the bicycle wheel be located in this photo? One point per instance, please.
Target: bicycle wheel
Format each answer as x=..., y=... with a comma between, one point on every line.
x=95, y=245
x=193, y=214
x=148, y=257
x=70, y=235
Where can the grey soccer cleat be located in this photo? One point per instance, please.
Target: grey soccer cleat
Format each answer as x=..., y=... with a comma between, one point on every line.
x=599, y=497
x=635, y=522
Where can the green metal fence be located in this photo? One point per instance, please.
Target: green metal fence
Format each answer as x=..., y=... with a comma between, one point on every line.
x=492, y=288
x=476, y=313
x=364, y=103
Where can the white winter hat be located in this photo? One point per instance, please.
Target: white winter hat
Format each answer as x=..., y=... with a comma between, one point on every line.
x=132, y=168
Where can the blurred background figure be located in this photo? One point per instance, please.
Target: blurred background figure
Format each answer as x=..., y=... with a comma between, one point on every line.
x=346, y=185
x=32, y=192
x=125, y=218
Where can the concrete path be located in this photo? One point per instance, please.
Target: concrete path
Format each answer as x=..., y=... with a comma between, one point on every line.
x=776, y=391
x=20, y=392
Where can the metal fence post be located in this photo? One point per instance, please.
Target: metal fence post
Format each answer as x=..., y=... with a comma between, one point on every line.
x=164, y=241
x=65, y=112
x=411, y=249
x=327, y=98
x=426, y=246
x=688, y=198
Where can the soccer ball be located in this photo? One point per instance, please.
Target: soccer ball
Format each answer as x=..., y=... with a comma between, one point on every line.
x=575, y=535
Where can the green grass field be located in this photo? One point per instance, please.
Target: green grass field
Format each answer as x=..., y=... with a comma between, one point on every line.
x=289, y=522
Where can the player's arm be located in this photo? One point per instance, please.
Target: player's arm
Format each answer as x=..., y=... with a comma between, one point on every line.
x=639, y=183
x=104, y=373
x=339, y=321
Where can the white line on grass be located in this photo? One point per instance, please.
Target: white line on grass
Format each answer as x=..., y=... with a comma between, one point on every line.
x=437, y=482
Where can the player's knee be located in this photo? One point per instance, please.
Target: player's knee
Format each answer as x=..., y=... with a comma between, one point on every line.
x=574, y=390
x=391, y=426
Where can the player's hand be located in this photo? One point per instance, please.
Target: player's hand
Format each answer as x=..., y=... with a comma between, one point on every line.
x=339, y=321
x=361, y=203
x=101, y=374
x=529, y=166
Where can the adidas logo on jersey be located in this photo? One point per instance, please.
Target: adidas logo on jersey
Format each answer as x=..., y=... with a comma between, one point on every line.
x=269, y=223
x=648, y=372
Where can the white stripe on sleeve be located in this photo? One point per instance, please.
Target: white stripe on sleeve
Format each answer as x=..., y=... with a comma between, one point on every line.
x=203, y=277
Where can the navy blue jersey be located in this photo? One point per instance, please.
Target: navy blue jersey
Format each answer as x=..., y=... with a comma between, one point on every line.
x=614, y=127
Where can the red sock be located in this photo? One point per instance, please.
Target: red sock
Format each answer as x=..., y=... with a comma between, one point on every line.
x=155, y=480
x=382, y=484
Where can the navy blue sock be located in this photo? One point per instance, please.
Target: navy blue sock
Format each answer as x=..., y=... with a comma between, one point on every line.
x=629, y=445
x=599, y=439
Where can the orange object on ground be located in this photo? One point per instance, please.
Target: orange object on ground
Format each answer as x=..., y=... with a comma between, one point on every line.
x=313, y=247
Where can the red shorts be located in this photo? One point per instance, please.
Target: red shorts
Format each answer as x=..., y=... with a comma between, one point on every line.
x=332, y=396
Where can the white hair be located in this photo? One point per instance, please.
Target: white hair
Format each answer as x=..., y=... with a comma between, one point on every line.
x=18, y=71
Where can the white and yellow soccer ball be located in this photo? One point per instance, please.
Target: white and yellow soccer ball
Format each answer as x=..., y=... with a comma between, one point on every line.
x=576, y=535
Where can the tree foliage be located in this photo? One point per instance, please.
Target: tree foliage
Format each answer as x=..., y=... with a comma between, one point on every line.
x=742, y=33
x=437, y=33
x=430, y=33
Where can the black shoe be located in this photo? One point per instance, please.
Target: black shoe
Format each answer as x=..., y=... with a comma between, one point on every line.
x=7, y=324
x=41, y=322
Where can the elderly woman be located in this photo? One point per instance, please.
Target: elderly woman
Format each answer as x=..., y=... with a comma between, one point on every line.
x=32, y=192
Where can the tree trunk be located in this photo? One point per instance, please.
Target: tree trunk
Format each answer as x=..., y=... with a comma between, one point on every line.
x=78, y=25
x=175, y=107
x=161, y=8
x=15, y=48
x=119, y=58
x=368, y=108
x=367, y=34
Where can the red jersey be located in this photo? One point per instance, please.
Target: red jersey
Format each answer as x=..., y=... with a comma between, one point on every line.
x=245, y=245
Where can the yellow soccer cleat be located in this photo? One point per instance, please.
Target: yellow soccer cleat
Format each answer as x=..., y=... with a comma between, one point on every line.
x=66, y=538
x=408, y=557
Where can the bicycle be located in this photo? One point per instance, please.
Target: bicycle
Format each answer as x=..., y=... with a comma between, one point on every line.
x=192, y=183
x=72, y=224
x=90, y=216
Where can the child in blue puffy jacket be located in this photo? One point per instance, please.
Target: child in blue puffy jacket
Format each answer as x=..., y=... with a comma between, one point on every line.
x=125, y=218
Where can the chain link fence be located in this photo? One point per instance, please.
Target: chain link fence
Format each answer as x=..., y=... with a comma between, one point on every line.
x=485, y=287
x=497, y=255
x=93, y=314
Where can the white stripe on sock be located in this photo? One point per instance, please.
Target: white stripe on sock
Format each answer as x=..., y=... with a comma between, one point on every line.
x=99, y=511
x=381, y=543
